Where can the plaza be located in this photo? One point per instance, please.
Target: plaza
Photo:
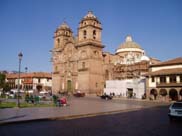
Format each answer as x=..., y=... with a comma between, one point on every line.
x=78, y=108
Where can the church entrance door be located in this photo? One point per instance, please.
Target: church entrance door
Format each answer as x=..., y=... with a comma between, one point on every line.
x=69, y=84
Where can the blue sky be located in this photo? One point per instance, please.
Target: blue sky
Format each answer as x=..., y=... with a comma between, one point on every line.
x=29, y=25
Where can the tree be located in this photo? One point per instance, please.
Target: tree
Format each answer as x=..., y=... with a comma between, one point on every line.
x=6, y=87
x=2, y=80
x=3, y=84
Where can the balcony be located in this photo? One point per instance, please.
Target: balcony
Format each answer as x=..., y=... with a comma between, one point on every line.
x=169, y=85
x=27, y=81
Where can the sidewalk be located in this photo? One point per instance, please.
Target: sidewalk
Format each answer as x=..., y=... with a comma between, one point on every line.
x=78, y=107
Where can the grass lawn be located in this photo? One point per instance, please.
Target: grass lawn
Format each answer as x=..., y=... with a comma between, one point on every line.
x=7, y=105
x=23, y=105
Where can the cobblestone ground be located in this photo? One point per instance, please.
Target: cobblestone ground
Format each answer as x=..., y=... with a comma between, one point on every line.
x=145, y=122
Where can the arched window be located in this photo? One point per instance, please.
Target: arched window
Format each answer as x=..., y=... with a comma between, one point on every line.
x=96, y=54
x=58, y=41
x=84, y=34
x=83, y=64
x=163, y=92
x=94, y=34
x=180, y=92
x=106, y=75
x=154, y=93
x=96, y=84
x=173, y=94
x=56, y=68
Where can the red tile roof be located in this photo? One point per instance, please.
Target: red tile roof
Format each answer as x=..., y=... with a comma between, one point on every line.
x=30, y=75
x=169, y=62
x=166, y=72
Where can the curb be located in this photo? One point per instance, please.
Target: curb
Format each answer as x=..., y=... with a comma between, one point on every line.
x=70, y=116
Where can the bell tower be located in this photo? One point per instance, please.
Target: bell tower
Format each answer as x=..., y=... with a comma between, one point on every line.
x=89, y=29
x=62, y=36
x=89, y=45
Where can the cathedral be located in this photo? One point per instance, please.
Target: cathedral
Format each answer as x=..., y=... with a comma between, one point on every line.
x=80, y=64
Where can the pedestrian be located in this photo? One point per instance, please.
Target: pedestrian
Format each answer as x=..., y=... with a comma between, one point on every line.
x=36, y=99
x=32, y=99
x=55, y=99
x=27, y=98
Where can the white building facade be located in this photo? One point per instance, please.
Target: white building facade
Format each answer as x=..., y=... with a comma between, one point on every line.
x=164, y=80
x=131, y=88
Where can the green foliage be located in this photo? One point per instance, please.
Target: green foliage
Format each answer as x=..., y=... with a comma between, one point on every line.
x=23, y=105
x=6, y=87
x=7, y=105
x=2, y=80
x=3, y=84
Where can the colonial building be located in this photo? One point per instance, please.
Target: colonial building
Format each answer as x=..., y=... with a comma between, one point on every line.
x=30, y=81
x=79, y=63
x=165, y=80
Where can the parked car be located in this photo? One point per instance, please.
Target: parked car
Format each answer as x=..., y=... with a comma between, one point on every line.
x=79, y=94
x=106, y=97
x=175, y=110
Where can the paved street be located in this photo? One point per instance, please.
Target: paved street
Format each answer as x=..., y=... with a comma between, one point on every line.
x=77, y=107
x=145, y=122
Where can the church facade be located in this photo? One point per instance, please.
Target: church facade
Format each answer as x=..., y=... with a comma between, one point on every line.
x=80, y=64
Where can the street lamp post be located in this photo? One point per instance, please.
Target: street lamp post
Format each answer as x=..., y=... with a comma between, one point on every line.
x=20, y=55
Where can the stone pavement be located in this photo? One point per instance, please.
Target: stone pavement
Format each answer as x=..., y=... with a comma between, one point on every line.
x=78, y=107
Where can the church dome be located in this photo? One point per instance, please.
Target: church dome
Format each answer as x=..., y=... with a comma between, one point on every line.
x=90, y=15
x=129, y=45
x=64, y=25
x=63, y=29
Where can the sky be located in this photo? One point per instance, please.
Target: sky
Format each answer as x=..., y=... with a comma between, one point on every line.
x=28, y=26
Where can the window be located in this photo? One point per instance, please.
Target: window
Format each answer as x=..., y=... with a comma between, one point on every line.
x=172, y=79
x=106, y=75
x=83, y=64
x=58, y=41
x=163, y=79
x=94, y=34
x=56, y=68
x=84, y=34
x=153, y=79
x=39, y=80
x=96, y=54
x=96, y=85
x=181, y=78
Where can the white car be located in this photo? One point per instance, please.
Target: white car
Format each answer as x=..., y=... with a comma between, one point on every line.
x=175, y=110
